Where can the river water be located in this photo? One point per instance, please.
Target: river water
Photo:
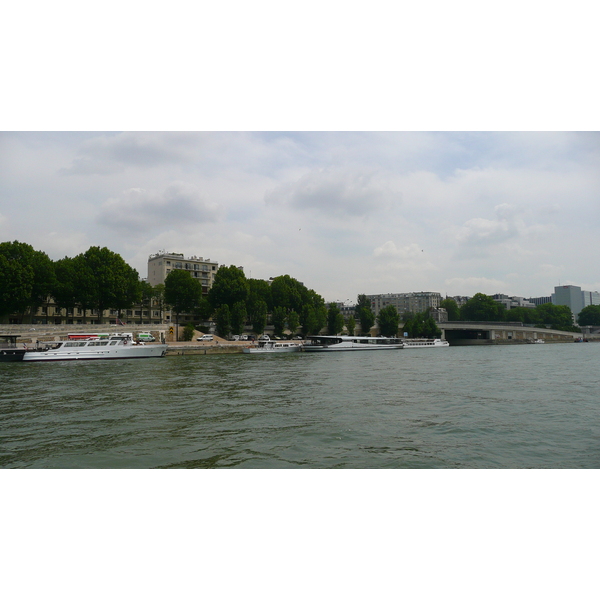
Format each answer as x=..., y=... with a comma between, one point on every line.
x=531, y=406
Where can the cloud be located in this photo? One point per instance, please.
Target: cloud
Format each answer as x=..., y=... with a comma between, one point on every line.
x=139, y=210
x=508, y=224
x=389, y=250
x=109, y=154
x=337, y=191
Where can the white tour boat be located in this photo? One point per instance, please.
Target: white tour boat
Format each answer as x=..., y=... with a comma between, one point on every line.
x=268, y=346
x=415, y=343
x=334, y=343
x=115, y=346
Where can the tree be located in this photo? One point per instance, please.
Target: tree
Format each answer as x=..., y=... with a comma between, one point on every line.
x=229, y=286
x=287, y=293
x=16, y=277
x=388, y=320
x=43, y=279
x=158, y=295
x=278, y=319
x=223, y=320
x=188, y=332
x=182, y=292
x=482, y=308
x=521, y=313
x=146, y=293
x=65, y=292
x=258, y=316
x=238, y=317
x=313, y=316
x=108, y=281
x=422, y=325
x=203, y=309
x=590, y=315
x=556, y=315
x=351, y=325
x=451, y=308
x=364, y=313
x=335, y=319
x=293, y=321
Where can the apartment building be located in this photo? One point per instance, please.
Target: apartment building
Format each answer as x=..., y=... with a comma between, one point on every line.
x=162, y=263
x=513, y=301
x=413, y=302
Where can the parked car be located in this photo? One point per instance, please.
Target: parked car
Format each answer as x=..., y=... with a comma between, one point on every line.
x=205, y=338
x=243, y=337
x=264, y=337
x=145, y=336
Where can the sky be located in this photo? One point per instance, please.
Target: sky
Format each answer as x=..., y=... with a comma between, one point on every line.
x=346, y=213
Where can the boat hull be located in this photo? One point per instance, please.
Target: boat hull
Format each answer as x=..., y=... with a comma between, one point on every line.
x=341, y=348
x=116, y=353
x=12, y=355
x=412, y=344
x=258, y=350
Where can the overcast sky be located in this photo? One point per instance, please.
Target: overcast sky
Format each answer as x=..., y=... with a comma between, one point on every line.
x=345, y=213
x=338, y=203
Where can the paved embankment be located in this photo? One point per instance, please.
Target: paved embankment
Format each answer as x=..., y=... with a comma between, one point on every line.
x=180, y=348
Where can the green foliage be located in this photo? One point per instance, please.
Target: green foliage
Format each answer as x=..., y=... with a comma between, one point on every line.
x=258, y=316
x=146, y=294
x=364, y=313
x=522, y=314
x=293, y=321
x=229, y=286
x=109, y=282
x=388, y=320
x=223, y=320
x=182, y=291
x=17, y=277
x=238, y=317
x=188, y=332
x=590, y=315
x=278, y=320
x=313, y=316
x=482, y=308
x=351, y=325
x=422, y=325
x=310, y=324
x=203, y=309
x=451, y=308
x=65, y=291
x=557, y=316
x=335, y=319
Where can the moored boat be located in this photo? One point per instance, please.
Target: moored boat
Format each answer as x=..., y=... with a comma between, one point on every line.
x=116, y=346
x=9, y=350
x=424, y=343
x=268, y=346
x=335, y=343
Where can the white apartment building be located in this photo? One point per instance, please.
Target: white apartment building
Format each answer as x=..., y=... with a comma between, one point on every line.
x=513, y=301
x=413, y=302
x=162, y=263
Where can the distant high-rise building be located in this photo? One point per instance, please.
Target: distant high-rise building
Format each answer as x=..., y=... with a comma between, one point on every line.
x=569, y=295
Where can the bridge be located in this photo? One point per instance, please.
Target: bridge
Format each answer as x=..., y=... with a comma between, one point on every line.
x=485, y=332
